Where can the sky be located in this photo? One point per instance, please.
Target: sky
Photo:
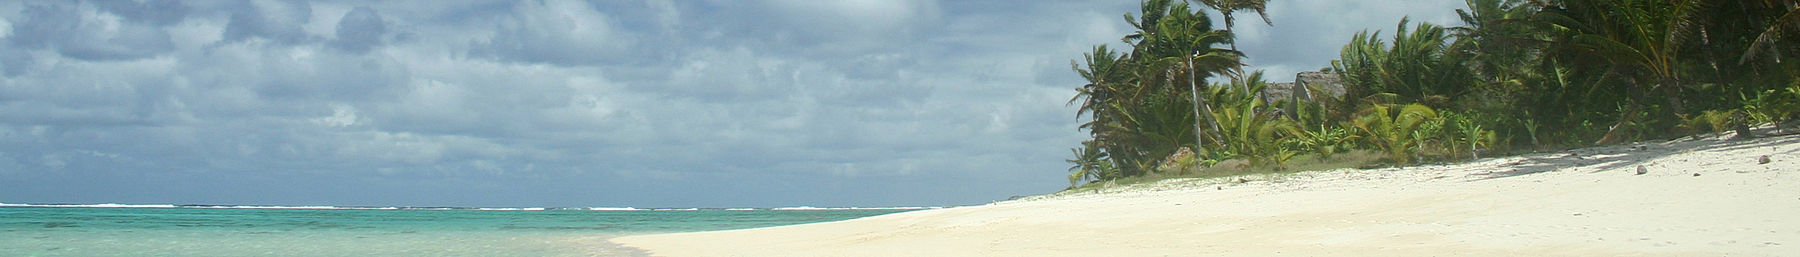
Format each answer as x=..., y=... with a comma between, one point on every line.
x=641, y=103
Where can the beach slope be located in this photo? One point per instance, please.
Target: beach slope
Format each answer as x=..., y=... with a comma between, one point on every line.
x=1697, y=197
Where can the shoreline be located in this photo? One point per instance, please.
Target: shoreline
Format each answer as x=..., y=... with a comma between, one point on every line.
x=1700, y=196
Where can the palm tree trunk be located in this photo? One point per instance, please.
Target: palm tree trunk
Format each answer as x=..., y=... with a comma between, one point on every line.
x=1614, y=134
x=1228, y=23
x=1632, y=108
x=1199, y=105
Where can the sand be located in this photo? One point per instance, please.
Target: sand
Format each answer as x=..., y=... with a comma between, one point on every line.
x=1700, y=197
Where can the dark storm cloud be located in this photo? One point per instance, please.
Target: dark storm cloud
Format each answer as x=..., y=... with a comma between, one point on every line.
x=550, y=102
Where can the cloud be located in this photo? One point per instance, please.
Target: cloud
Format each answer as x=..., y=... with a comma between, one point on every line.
x=72, y=93
x=854, y=22
x=818, y=29
x=559, y=102
x=286, y=104
x=272, y=20
x=84, y=33
x=153, y=12
x=360, y=30
x=299, y=73
x=561, y=32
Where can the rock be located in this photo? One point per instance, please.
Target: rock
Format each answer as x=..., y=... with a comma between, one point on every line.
x=1696, y=174
x=1642, y=170
x=1232, y=163
x=1308, y=87
x=1174, y=164
x=1242, y=180
x=1762, y=160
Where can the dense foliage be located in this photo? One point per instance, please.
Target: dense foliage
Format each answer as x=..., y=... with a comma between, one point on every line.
x=1598, y=71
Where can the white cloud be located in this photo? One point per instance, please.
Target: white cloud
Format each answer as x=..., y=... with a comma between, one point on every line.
x=5, y=29
x=55, y=161
x=341, y=116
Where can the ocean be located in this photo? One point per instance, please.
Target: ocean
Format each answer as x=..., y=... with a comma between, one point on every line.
x=168, y=230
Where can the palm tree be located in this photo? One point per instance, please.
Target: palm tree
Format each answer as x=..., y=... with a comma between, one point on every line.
x=1766, y=40
x=1394, y=132
x=1106, y=74
x=1174, y=43
x=1227, y=7
x=1134, y=105
x=1419, y=66
x=1251, y=130
x=1640, y=40
x=1089, y=162
x=1203, y=60
x=1196, y=42
x=1499, y=38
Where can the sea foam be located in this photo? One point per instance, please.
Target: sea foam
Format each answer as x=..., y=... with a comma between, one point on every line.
x=612, y=209
x=329, y=207
x=810, y=208
x=103, y=205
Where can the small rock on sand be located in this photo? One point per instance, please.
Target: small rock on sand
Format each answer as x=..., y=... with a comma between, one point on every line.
x=1641, y=170
x=1762, y=160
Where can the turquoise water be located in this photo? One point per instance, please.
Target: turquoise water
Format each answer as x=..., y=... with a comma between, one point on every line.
x=36, y=231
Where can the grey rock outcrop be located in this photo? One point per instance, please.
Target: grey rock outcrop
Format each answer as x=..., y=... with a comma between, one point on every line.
x=1321, y=84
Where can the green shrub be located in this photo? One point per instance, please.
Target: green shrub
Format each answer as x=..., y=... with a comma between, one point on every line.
x=1393, y=131
x=1326, y=142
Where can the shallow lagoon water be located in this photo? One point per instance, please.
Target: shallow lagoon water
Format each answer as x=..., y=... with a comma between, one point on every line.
x=39, y=231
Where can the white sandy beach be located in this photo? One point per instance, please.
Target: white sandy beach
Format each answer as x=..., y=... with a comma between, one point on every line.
x=1700, y=197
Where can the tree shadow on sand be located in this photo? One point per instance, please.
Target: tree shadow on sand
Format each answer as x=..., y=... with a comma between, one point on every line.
x=1609, y=158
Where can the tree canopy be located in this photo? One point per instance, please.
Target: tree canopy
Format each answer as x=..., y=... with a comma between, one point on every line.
x=1600, y=71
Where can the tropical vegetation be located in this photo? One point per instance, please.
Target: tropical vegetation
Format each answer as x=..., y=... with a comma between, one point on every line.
x=1599, y=71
